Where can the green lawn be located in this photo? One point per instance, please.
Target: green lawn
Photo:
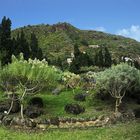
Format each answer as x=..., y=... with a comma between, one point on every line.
x=127, y=131
x=55, y=104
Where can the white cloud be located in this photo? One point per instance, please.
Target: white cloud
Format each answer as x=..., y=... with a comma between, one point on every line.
x=102, y=29
x=132, y=32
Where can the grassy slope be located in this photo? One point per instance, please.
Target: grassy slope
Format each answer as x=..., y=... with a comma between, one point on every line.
x=54, y=105
x=128, y=131
x=57, y=40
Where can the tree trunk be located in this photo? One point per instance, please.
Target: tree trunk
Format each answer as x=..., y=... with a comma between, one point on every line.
x=11, y=106
x=117, y=105
x=21, y=111
x=21, y=103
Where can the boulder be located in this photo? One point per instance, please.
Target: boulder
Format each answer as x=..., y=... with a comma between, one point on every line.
x=6, y=121
x=54, y=121
x=33, y=111
x=74, y=109
x=37, y=102
x=17, y=121
x=30, y=123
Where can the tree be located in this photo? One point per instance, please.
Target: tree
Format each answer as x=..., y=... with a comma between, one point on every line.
x=76, y=51
x=27, y=77
x=75, y=66
x=23, y=46
x=117, y=80
x=5, y=40
x=36, y=52
x=100, y=59
x=103, y=58
x=107, y=58
x=80, y=59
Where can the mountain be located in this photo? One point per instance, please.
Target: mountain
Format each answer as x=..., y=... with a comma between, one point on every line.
x=57, y=40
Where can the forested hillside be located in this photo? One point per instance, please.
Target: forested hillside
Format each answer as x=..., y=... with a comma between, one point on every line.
x=57, y=40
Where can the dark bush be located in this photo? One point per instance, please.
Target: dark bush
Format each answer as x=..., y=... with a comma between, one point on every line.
x=33, y=111
x=36, y=101
x=4, y=106
x=74, y=109
x=137, y=113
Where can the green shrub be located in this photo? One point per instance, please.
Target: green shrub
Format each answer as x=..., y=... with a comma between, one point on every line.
x=117, y=80
x=27, y=77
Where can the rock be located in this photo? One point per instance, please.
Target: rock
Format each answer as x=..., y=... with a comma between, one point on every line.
x=74, y=109
x=73, y=120
x=33, y=111
x=129, y=115
x=63, y=120
x=56, y=91
x=42, y=126
x=37, y=102
x=102, y=117
x=54, y=121
x=16, y=121
x=30, y=123
x=6, y=121
x=47, y=121
x=80, y=97
x=137, y=113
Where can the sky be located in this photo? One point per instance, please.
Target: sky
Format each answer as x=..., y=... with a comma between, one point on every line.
x=121, y=17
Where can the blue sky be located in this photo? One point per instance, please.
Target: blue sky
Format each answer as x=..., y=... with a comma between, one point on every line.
x=112, y=16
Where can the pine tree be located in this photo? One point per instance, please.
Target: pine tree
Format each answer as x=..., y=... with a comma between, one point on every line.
x=107, y=58
x=101, y=58
x=76, y=51
x=23, y=45
x=74, y=67
x=36, y=52
x=5, y=41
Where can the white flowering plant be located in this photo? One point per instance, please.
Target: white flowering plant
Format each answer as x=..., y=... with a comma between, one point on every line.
x=71, y=80
x=27, y=77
